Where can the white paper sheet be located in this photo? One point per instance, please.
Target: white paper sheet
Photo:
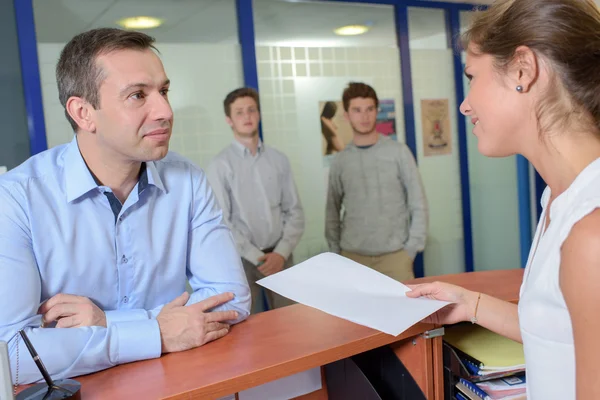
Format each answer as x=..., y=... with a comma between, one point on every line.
x=286, y=388
x=349, y=290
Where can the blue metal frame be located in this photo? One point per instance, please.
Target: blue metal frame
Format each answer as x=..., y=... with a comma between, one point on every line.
x=453, y=23
x=411, y=3
x=540, y=185
x=407, y=96
x=524, y=193
x=31, y=75
x=245, y=21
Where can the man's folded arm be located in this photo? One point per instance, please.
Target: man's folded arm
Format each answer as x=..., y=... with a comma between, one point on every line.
x=214, y=265
x=65, y=352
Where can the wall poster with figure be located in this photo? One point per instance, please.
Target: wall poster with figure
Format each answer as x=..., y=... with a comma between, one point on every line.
x=435, y=118
x=336, y=131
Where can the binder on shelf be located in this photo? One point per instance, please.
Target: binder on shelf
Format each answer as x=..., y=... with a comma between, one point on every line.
x=486, y=349
x=483, y=354
x=513, y=387
x=462, y=365
x=471, y=390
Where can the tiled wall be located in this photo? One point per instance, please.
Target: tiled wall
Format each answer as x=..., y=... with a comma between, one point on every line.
x=201, y=76
x=292, y=81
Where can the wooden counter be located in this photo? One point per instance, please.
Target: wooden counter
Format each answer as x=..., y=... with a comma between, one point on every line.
x=282, y=342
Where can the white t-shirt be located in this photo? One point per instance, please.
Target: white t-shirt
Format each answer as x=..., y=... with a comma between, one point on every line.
x=543, y=315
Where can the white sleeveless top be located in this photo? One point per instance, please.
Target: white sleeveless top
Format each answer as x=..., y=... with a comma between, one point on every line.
x=543, y=315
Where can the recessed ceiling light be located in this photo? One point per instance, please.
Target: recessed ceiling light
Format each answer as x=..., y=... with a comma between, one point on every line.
x=140, y=22
x=351, y=30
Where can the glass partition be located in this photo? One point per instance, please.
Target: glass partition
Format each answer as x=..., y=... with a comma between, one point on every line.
x=436, y=114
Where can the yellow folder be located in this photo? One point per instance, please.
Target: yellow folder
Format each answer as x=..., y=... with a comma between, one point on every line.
x=493, y=350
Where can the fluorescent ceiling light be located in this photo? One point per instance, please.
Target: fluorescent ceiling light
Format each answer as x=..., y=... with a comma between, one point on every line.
x=351, y=30
x=140, y=22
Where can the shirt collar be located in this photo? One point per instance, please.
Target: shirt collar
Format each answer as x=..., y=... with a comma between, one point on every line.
x=244, y=151
x=79, y=179
x=380, y=138
x=153, y=176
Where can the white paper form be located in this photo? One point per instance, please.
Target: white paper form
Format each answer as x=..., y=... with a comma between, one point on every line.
x=349, y=290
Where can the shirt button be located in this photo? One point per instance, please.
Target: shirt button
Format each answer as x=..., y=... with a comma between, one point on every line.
x=121, y=218
x=124, y=259
x=125, y=300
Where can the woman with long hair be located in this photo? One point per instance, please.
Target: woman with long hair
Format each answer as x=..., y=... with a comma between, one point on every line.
x=534, y=71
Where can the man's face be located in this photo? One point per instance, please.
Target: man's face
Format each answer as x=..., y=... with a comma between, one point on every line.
x=244, y=117
x=362, y=115
x=134, y=119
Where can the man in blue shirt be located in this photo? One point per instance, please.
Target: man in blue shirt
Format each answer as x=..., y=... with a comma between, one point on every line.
x=99, y=236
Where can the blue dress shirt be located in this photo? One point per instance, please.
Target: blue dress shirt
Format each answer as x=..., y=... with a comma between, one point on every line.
x=62, y=233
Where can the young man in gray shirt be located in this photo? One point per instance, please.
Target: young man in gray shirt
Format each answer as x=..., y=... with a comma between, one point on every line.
x=384, y=220
x=254, y=185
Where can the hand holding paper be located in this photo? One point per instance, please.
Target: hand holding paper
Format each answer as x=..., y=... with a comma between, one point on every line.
x=346, y=289
x=462, y=301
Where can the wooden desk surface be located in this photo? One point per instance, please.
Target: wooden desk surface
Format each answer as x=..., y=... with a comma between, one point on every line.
x=266, y=347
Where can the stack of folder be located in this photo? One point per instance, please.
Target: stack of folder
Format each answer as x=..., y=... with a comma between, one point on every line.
x=491, y=366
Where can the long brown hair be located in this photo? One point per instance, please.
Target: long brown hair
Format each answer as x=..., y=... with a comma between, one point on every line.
x=565, y=35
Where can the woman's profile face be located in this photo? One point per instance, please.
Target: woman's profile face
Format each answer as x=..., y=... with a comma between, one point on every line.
x=494, y=108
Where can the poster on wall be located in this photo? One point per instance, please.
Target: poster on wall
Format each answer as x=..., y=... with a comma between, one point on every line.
x=386, y=119
x=336, y=131
x=435, y=118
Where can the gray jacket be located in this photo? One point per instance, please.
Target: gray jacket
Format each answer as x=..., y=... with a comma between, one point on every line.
x=375, y=201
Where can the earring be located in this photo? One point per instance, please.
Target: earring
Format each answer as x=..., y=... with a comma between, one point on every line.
x=520, y=89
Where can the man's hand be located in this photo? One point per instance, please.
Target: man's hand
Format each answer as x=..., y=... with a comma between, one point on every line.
x=71, y=311
x=272, y=263
x=185, y=327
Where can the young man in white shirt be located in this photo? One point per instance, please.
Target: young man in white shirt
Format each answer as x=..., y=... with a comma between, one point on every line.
x=255, y=187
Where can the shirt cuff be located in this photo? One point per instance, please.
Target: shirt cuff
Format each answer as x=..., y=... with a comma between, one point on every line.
x=253, y=254
x=114, y=316
x=283, y=249
x=138, y=340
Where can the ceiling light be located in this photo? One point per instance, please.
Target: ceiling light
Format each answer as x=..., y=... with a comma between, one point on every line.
x=351, y=30
x=140, y=22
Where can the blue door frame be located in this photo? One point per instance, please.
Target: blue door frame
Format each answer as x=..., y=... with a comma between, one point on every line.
x=37, y=132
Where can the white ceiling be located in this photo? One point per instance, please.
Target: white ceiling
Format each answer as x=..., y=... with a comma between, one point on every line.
x=184, y=20
x=277, y=22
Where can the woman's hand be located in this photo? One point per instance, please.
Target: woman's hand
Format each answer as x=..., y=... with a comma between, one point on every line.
x=462, y=307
